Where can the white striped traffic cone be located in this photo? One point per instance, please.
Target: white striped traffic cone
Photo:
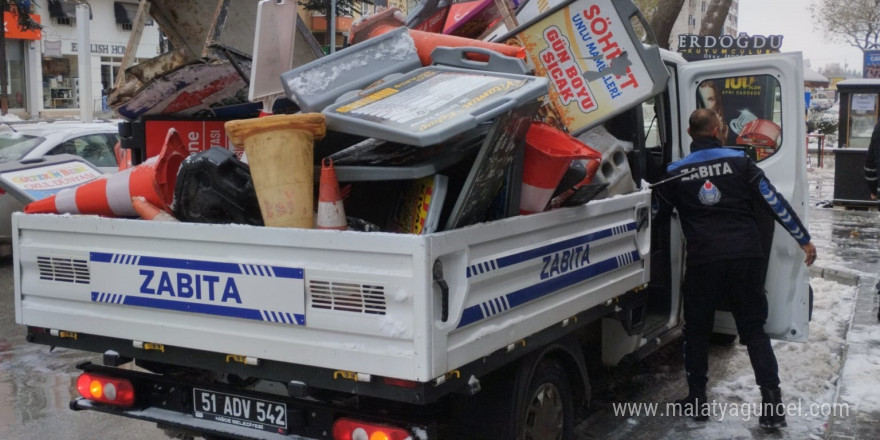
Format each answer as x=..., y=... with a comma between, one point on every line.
x=331, y=212
x=111, y=195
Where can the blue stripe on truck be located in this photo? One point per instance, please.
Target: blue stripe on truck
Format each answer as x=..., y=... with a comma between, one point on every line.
x=201, y=265
x=509, y=260
x=523, y=296
x=209, y=309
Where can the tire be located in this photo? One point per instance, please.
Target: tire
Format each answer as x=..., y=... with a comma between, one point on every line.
x=811, y=301
x=546, y=409
x=177, y=434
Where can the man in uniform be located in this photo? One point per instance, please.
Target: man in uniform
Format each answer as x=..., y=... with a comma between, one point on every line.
x=716, y=198
x=872, y=164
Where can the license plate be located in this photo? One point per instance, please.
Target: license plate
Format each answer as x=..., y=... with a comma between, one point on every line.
x=242, y=411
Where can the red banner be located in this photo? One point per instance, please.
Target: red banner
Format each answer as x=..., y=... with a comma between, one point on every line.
x=10, y=21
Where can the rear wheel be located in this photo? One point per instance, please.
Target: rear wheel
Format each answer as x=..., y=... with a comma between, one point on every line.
x=547, y=408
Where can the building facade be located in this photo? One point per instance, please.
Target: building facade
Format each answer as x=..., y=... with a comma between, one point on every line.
x=44, y=71
x=316, y=22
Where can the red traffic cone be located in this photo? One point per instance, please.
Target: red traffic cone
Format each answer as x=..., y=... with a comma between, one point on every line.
x=331, y=212
x=111, y=195
x=426, y=42
x=123, y=156
x=549, y=153
x=149, y=211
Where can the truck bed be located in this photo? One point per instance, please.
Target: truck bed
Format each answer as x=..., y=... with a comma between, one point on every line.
x=367, y=303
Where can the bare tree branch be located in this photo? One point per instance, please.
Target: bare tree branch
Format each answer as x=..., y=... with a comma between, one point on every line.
x=854, y=22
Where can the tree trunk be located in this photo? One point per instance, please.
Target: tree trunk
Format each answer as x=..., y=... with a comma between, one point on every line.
x=664, y=19
x=713, y=22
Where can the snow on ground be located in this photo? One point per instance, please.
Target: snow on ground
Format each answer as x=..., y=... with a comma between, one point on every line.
x=9, y=117
x=861, y=370
x=808, y=371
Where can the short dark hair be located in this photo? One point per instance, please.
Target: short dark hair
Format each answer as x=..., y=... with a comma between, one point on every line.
x=703, y=121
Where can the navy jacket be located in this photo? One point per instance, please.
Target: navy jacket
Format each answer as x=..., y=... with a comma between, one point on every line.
x=872, y=163
x=716, y=201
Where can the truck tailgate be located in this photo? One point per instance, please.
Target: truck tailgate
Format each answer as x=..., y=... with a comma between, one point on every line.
x=362, y=302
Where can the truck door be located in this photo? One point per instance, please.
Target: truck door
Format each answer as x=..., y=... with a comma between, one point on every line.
x=761, y=100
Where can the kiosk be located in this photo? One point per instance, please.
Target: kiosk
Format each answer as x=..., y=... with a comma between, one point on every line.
x=859, y=110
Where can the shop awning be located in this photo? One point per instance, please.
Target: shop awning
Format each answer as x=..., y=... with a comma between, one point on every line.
x=814, y=79
x=126, y=12
x=61, y=9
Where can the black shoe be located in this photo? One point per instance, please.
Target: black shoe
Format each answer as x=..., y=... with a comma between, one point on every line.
x=772, y=411
x=695, y=405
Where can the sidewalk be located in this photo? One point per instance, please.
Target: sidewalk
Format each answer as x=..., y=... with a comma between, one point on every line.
x=859, y=384
x=848, y=244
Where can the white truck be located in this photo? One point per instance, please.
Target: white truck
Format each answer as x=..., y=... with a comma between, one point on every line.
x=233, y=331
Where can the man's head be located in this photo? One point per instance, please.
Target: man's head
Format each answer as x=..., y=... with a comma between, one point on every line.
x=704, y=122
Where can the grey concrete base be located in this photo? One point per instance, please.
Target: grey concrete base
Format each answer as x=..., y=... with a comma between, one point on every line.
x=838, y=276
x=861, y=422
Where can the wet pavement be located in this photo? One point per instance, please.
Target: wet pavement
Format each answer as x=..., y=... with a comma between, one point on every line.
x=36, y=384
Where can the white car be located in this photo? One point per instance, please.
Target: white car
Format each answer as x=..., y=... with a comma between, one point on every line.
x=91, y=141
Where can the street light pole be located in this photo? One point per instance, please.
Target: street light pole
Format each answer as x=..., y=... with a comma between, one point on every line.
x=84, y=52
x=332, y=26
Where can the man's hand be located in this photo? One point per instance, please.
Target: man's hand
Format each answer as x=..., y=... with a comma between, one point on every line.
x=873, y=196
x=810, y=250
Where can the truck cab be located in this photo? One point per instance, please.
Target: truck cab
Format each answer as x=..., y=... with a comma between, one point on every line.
x=758, y=99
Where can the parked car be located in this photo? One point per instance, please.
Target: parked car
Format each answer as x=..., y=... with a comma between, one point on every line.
x=93, y=142
x=822, y=100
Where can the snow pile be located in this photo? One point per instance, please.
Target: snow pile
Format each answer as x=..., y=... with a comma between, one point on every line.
x=9, y=117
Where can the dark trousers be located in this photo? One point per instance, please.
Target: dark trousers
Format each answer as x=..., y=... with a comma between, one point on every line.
x=741, y=282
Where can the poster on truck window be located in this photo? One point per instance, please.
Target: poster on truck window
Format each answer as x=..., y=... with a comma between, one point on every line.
x=748, y=108
x=595, y=66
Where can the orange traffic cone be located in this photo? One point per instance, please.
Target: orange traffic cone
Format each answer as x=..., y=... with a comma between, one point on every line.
x=331, y=212
x=426, y=42
x=123, y=156
x=149, y=211
x=548, y=154
x=111, y=195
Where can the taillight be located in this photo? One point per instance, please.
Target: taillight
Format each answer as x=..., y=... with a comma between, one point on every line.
x=400, y=382
x=109, y=390
x=350, y=429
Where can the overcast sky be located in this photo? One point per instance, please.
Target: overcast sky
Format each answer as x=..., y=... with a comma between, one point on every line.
x=791, y=19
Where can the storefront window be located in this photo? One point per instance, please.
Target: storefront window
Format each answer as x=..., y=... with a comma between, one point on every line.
x=862, y=118
x=15, y=73
x=60, y=86
x=109, y=71
x=750, y=108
